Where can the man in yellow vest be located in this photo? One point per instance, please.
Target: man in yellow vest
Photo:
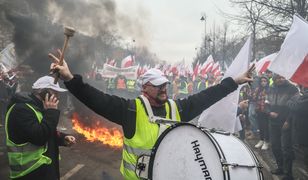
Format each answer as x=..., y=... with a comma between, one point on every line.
x=183, y=87
x=201, y=84
x=138, y=116
x=131, y=88
x=31, y=136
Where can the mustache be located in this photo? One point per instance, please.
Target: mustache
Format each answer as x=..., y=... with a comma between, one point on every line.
x=162, y=91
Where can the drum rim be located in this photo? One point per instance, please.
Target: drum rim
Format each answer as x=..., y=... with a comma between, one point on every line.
x=255, y=158
x=251, y=153
x=161, y=137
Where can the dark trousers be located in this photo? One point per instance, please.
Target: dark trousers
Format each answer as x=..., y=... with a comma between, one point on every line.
x=3, y=106
x=262, y=120
x=282, y=147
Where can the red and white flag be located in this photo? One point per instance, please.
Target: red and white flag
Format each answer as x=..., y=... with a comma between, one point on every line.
x=292, y=61
x=216, y=66
x=127, y=62
x=217, y=72
x=174, y=70
x=263, y=64
x=196, y=71
x=111, y=62
x=207, y=65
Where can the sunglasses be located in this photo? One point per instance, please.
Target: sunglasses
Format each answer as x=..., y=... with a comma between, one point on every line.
x=160, y=87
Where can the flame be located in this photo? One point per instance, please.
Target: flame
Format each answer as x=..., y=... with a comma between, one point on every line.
x=112, y=137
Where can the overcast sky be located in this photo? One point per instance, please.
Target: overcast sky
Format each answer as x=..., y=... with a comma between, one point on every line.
x=173, y=27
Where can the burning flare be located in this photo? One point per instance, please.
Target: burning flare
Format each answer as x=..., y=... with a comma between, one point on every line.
x=112, y=137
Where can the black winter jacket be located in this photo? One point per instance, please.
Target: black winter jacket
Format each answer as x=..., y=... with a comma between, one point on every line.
x=23, y=127
x=278, y=98
x=299, y=108
x=117, y=110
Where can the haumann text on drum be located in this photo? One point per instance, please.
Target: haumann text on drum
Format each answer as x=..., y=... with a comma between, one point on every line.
x=200, y=160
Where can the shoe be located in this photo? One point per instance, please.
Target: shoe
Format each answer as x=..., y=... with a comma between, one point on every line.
x=265, y=146
x=277, y=171
x=259, y=144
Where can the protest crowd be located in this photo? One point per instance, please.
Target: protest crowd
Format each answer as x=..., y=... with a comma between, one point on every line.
x=254, y=109
x=241, y=107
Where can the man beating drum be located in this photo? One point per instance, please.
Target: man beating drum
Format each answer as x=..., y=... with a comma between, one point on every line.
x=139, y=117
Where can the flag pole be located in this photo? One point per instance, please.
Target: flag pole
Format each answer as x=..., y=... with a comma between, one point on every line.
x=299, y=16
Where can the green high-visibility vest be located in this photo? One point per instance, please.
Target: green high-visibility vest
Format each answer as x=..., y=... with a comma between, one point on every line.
x=111, y=83
x=24, y=158
x=130, y=84
x=199, y=85
x=145, y=137
x=184, y=90
x=271, y=82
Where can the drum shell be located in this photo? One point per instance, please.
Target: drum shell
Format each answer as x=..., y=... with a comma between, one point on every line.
x=184, y=151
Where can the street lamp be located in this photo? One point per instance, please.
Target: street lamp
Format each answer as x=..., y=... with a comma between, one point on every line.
x=133, y=46
x=203, y=18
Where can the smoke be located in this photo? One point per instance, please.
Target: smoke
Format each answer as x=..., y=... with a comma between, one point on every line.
x=91, y=17
x=38, y=30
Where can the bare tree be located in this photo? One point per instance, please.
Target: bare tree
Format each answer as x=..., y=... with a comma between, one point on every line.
x=279, y=14
x=223, y=46
x=250, y=16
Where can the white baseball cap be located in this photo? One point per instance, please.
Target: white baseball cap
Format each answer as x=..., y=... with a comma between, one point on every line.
x=154, y=76
x=46, y=82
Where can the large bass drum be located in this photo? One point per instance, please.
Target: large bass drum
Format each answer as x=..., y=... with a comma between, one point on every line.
x=186, y=152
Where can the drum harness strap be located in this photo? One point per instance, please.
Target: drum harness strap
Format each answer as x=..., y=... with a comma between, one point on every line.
x=143, y=160
x=163, y=122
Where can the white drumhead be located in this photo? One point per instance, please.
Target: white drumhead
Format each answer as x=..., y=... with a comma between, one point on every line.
x=186, y=153
x=235, y=151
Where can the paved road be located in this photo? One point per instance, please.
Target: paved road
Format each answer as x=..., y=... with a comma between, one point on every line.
x=96, y=161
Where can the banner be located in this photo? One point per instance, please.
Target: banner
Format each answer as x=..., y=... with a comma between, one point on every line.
x=8, y=57
x=109, y=71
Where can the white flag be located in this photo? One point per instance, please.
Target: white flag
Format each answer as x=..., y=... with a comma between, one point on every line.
x=222, y=115
x=263, y=64
x=290, y=61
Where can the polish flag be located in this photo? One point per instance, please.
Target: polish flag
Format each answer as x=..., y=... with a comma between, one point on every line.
x=127, y=62
x=217, y=72
x=215, y=67
x=207, y=65
x=196, y=71
x=263, y=64
x=174, y=70
x=112, y=62
x=292, y=61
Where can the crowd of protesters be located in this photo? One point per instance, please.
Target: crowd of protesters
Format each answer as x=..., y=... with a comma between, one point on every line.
x=180, y=86
x=272, y=110
x=276, y=116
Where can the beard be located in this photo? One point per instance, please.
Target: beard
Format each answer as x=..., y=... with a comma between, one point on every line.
x=160, y=100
